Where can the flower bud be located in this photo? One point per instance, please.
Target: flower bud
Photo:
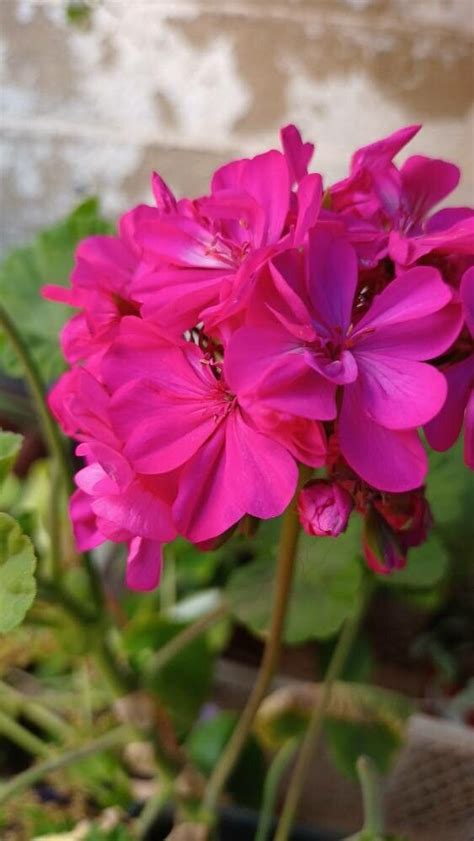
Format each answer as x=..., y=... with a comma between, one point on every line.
x=324, y=508
x=381, y=545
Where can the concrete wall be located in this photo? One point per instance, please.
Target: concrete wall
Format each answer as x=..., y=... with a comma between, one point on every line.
x=182, y=86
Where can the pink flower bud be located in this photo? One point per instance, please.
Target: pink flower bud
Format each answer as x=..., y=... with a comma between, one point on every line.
x=382, y=547
x=324, y=508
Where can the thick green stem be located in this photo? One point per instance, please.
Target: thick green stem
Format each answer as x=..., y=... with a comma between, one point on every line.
x=315, y=727
x=371, y=796
x=22, y=737
x=113, y=739
x=270, y=791
x=284, y=579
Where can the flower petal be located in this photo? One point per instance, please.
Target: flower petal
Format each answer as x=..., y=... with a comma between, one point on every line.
x=399, y=393
x=332, y=278
x=144, y=563
x=391, y=460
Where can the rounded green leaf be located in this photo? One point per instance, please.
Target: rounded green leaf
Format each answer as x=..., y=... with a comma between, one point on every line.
x=17, y=567
x=327, y=579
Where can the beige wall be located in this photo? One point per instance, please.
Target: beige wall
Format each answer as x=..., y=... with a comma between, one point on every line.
x=182, y=86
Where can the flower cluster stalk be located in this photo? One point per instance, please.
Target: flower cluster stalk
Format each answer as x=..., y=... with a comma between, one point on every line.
x=315, y=727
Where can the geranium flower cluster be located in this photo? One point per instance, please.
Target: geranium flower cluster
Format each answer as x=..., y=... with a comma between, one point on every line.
x=224, y=340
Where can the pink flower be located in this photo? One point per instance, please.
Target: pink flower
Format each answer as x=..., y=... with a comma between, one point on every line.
x=324, y=508
x=444, y=429
x=387, y=208
x=305, y=343
x=101, y=288
x=186, y=416
x=204, y=254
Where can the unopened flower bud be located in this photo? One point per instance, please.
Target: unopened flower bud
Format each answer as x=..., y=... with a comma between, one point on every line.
x=381, y=545
x=324, y=508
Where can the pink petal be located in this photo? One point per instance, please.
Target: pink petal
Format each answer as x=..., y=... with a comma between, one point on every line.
x=164, y=198
x=399, y=393
x=443, y=430
x=467, y=297
x=144, y=563
x=271, y=365
x=140, y=510
x=240, y=472
x=425, y=182
x=427, y=338
x=413, y=294
x=332, y=278
x=469, y=432
x=298, y=154
x=161, y=431
x=266, y=178
x=136, y=353
x=457, y=239
x=84, y=523
x=387, y=459
x=179, y=240
x=310, y=192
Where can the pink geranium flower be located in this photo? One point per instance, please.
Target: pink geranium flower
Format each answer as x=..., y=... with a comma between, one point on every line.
x=443, y=431
x=305, y=343
x=186, y=416
x=387, y=209
x=101, y=288
x=203, y=254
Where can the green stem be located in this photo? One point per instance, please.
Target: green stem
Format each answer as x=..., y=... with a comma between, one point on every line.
x=371, y=796
x=25, y=780
x=168, y=651
x=150, y=812
x=270, y=791
x=55, y=522
x=38, y=391
x=316, y=722
x=284, y=578
x=16, y=703
x=53, y=438
x=22, y=737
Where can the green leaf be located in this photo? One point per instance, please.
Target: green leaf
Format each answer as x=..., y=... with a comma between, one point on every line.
x=205, y=744
x=426, y=566
x=450, y=491
x=327, y=579
x=347, y=741
x=182, y=684
x=10, y=445
x=17, y=566
x=49, y=259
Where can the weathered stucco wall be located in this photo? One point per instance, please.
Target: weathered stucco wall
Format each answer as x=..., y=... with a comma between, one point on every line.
x=181, y=86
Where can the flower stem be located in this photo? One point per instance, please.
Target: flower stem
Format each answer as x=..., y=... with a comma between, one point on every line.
x=185, y=637
x=371, y=796
x=284, y=577
x=22, y=781
x=55, y=444
x=313, y=733
x=270, y=792
x=22, y=737
x=16, y=703
x=37, y=388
